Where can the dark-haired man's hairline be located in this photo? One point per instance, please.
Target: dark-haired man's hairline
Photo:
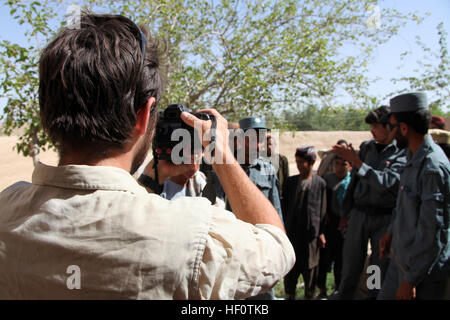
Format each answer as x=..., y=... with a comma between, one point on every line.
x=102, y=101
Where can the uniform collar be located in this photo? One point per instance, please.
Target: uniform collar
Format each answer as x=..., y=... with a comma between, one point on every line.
x=424, y=149
x=85, y=177
x=256, y=163
x=391, y=145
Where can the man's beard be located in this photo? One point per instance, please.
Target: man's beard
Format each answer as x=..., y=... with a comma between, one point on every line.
x=143, y=149
x=402, y=142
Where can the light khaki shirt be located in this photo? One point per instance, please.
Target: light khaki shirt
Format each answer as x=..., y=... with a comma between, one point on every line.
x=82, y=232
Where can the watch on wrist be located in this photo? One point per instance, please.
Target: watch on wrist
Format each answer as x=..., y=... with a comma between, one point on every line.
x=150, y=183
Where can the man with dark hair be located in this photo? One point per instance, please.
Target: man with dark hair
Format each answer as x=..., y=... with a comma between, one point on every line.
x=418, y=237
x=86, y=229
x=304, y=206
x=370, y=200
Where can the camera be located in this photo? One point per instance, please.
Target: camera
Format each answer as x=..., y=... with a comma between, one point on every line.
x=170, y=120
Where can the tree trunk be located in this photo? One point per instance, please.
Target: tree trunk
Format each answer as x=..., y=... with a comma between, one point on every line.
x=34, y=150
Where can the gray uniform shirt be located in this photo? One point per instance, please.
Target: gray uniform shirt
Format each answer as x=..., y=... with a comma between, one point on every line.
x=379, y=175
x=420, y=227
x=263, y=175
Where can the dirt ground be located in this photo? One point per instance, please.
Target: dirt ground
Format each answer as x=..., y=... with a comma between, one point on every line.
x=14, y=167
x=321, y=140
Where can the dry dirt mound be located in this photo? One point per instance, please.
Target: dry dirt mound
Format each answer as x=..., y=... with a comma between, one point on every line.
x=321, y=140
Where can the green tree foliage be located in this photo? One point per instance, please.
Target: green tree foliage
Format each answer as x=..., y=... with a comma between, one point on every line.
x=432, y=77
x=312, y=118
x=240, y=57
x=19, y=81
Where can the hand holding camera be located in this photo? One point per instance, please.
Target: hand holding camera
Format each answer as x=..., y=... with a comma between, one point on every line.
x=181, y=134
x=175, y=140
x=215, y=140
x=175, y=149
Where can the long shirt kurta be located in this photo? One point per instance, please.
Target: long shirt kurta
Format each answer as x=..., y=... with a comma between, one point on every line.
x=304, y=212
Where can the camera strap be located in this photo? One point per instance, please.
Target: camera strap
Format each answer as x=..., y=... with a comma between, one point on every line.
x=213, y=135
x=209, y=191
x=155, y=167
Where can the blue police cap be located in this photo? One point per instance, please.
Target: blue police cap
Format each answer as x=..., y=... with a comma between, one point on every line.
x=252, y=123
x=408, y=102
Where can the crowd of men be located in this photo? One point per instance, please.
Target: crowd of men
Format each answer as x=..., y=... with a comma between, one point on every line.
x=231, y=230
x=350, y=202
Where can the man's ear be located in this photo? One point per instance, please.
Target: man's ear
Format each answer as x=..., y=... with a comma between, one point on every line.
x=142, y=117
x=403, y=127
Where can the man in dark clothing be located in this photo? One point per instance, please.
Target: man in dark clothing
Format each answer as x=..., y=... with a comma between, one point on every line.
x=304, y=207
x=337, y=183
x=376, y=170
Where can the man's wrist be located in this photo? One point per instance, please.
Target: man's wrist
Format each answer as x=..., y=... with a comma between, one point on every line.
x=225, y=157
x=357, y=163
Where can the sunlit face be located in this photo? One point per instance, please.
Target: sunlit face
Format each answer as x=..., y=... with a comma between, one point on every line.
x=380, y=133
x=254, y=145
x=402, y=141
x=303, y=166
x=258, y=143
x=193, y=168
x=269, y=146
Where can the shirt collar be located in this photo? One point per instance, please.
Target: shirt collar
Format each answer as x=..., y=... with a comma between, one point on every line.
x=258, y=163
x=391, y=145
x=86, y=177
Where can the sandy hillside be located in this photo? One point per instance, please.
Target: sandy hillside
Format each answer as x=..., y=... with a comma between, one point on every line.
x=14, y=167
x=321, y=140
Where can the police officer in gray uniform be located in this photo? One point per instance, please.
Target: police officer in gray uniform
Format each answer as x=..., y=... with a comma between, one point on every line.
x=418, y=238
x=375, y=177
x=260, y=171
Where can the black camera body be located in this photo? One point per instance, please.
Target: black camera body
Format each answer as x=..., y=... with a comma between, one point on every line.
x=170, y=120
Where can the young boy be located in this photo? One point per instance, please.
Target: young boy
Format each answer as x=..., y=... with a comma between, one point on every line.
x=337, y=183
x=304, y=207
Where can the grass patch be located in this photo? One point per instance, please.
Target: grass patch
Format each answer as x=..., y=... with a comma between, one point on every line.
x=300, y=290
